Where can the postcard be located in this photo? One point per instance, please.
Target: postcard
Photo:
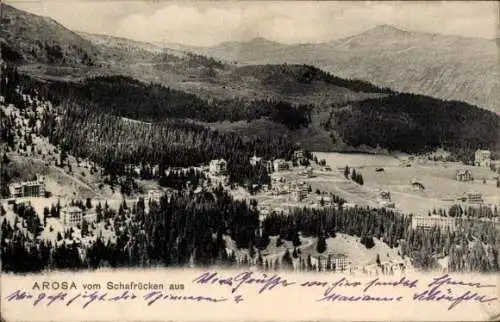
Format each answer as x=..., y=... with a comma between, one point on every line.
x=249, y=161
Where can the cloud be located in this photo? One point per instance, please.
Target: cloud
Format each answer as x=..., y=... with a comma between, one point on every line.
x=208, y=23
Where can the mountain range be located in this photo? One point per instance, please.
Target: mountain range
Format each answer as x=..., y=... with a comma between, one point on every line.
x=441, y=66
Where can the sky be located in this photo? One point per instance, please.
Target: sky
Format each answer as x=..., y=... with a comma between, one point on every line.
x=209, y=23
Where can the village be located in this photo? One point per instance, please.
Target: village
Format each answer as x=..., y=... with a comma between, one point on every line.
x=294, y=183
x=69, y=196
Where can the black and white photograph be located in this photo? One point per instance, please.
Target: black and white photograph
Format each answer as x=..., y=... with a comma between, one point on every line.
x=354, y=138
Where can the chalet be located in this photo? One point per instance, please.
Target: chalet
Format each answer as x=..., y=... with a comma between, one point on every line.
x=299, y=155
x=35, y=188
x=218, y=167
x=280, y=189
x=393, y=266
x=269, y=166
x=428, y=222
x=71, y=216
x=280, y=165
x=255, y=160
x=299, y=193
x=155, y=170
x=463, y=175
x=482, y=158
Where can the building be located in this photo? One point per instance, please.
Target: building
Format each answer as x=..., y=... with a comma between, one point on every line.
x=153, y=195
x=463, y=175
x=84, y=164
x=387, y=204
x=280, y=165
x=133, y=169
x=218, y=167
x=474, y=197
x=299, y=155
x=269, y=166
x=393, y=266
x=155, y=170
x=35, y=188
x=482, y=158
x=428, y=222
x=299, y=193
x=71, y=216
x=279, y=189
x=255, y=160
x=16, y=190
x=91, y=217
x=333, y=262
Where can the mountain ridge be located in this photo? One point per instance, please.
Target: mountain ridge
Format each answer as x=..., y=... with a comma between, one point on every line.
x=443, y=66
x=383, y=28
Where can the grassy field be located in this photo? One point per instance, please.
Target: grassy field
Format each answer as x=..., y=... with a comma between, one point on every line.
x=438, y=179
x=441, y=190
x=358, y=160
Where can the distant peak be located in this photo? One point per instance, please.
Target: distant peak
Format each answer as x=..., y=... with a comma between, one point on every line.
x=261, y=40
x=387, y=29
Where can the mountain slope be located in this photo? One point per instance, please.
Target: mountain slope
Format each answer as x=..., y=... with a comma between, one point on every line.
x=446, y=67
x=29, y=38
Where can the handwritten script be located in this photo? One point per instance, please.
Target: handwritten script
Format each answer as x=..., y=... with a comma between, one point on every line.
x=443, y=289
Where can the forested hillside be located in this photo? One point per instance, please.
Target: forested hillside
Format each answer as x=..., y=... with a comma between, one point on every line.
x=415, y=124
x=127, y=97
x=393, y=121
x=472, y=247
x=442, y=66
x=86, y=131
x=183, y=230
